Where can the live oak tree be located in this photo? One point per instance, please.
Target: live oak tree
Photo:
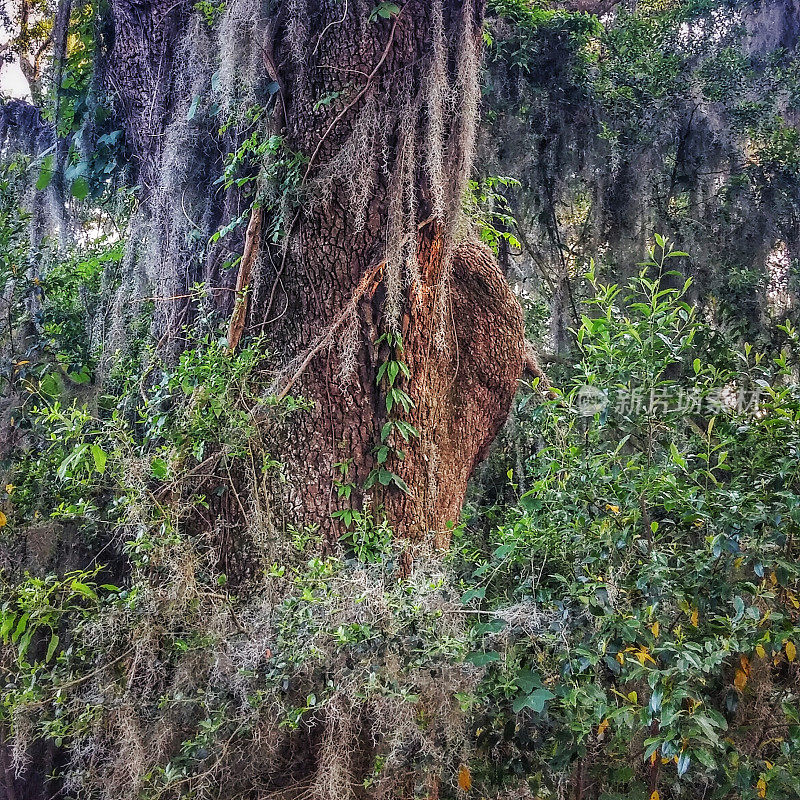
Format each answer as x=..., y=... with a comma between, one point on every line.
x=304, y=332
x=370, y=265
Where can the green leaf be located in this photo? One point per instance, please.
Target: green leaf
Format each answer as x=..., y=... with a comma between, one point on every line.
x=8, y=624
x=400, y=484
x=22, y=623
x=472, y=594
x=81, y=588
x=482, y=659
x=159, y=468
x=535, y=701
x=384, y=11
x=100, y=458
x=51, y=648
x=677, y=457
x=80, y=188
x=51, y=385
x=193, y=108
x=706, y=758
x=528, y=681
x=385, y=477
x=46, y=171
x=83, y=376
x=75, y=456
x=25, y=641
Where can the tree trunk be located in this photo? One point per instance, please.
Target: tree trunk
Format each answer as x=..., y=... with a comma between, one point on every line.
x=377, y=249
x=383, y=107
x=140, y=76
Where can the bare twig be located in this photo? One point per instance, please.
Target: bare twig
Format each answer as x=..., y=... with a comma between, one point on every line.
x=252, y=243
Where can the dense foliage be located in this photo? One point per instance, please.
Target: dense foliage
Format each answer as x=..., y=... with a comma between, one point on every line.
x=629, y=623
x=619, y=613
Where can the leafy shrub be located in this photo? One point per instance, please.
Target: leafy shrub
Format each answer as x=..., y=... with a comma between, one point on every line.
x=639, y=608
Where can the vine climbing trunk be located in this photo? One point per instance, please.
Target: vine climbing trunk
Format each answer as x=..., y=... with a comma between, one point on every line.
x=384, y=108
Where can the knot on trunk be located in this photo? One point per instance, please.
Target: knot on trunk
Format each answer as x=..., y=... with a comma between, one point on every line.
x=462, y=388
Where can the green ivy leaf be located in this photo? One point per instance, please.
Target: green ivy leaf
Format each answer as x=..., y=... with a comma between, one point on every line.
x=482, y=659
x=384, y=11
x=80, y=188
x=535, y=701
x=46, y=172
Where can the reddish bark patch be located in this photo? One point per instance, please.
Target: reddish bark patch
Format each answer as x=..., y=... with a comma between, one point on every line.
x=462, y=387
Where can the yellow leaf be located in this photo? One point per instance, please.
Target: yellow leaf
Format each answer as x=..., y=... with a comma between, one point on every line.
x=762, y=653
x=655, y=629
x=792, y=599
x=655, y=795
x=633, y=697
x=10, y=488
x=791, y=650
x=653, y=757
x=613, y=509
x=601, y=728
x=3, y=519
x=769, y=764
x=621, y=658
x=642, y=655
x=773, y=578
x=464, y=778
x=695, y=618
x=762, y=787
x=740, y=681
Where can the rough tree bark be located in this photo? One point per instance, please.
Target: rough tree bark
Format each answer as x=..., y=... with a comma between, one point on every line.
x=139, y=75
x=461, y=325
x=465, y=368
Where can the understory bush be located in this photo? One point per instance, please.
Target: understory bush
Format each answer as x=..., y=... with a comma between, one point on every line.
x=638, y=609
